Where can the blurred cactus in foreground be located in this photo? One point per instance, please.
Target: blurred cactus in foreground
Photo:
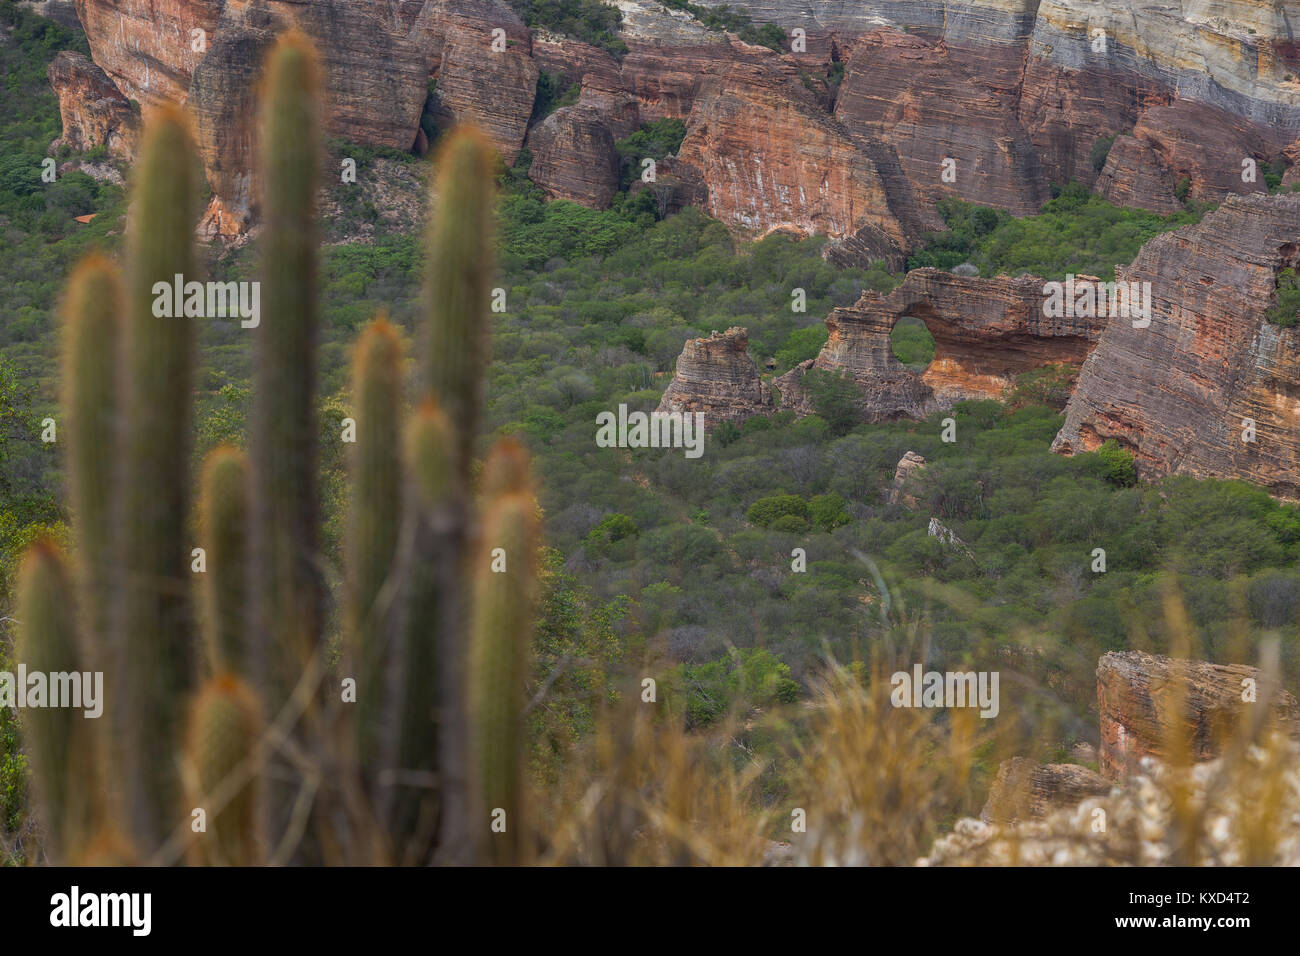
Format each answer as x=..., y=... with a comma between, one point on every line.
x=287, y=761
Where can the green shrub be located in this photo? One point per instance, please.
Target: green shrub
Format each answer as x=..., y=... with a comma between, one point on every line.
x=1283, y=313
x=766, y=511
x=829, y=511
x=1100, y=150
x=835, y=398
x=789, y=524
x=1119, y=467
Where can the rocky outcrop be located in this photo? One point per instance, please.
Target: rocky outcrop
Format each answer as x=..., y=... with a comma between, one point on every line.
x=1024, y=790
x=574, y=158
x=768, y=157
x=1138, y=822
x=717, y=377
x=94, y=112
x=986, y=331
x=1015, y=93
x=1135, y=176
x=1209, y=370
x=377, y=59
x=149, y=47
x=909, y=467
x=477, y=82
x=1136, y=692
x=948, y=115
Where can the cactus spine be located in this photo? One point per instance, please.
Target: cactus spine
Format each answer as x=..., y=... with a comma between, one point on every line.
x=288, y=589
x=159, y=372
x=284, y=421
x=461, y=266
x=457, y=284
x=223, y=529
x=92, y=332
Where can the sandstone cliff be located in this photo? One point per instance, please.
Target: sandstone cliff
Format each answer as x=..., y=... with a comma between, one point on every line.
x=1178, y=393
x=1135, y=694
x=1015, y=92
x=716, y=376
x=94, y=112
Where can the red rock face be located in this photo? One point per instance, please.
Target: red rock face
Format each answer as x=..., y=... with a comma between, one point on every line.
x=147, y=46
x=1066, y=111
x=94, y=112
x=932, y=104
x=376, y=60
x=574, y=158
x=477, y=81
x=1176, y=393
x=768, y=157
x=1136, y=694
x=986, y=331
x=1134, y=175
x=1012, y=93
x=716, y=376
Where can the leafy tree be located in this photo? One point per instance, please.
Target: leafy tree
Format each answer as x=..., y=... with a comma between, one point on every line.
x=765, y=511
x=801, y=345
x=828, y=511
x=1119, y=467
x=835, y=397
x=1284, y=312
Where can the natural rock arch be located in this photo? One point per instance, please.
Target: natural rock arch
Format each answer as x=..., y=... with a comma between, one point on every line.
x=986, y=331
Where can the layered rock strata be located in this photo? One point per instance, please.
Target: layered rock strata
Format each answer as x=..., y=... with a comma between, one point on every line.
x=1024, y=790
x=986, y=331
x=94, y=112
x=716, y=377
x=1210, y=387
x=1145, y=700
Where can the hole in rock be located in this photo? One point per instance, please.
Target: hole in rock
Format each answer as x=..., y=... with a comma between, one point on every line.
x=912, y=343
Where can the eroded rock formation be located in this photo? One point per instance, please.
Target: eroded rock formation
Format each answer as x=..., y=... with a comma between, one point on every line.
x=94, y=112
x=986, y=331
x=1136, y=695
x=1181, y=393
x=574, y=158
x=492, y=88
x=768, y=158
x=937, y=106
x=1015, y=92
x=717, y=377
x=1024, y=790
x=905, y=476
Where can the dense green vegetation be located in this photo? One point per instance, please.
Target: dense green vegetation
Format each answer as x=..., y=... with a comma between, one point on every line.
x=1284, y=312
x=912, y=343
x=591, y=21
x=733, y=20
x=1075, y=232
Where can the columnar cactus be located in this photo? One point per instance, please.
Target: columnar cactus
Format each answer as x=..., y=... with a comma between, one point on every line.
x=57, y=736
x=504, y=604
x=222, y=748
x=223, y=531
x=258, y=732
x=373, y=534
x=155, y=554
